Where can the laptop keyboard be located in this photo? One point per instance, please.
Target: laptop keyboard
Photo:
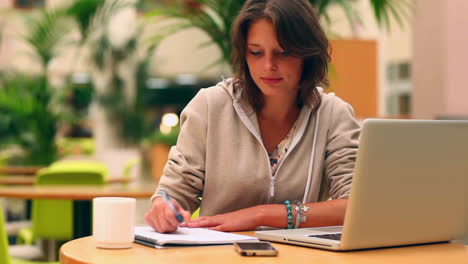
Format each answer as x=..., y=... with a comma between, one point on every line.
x=328, y=236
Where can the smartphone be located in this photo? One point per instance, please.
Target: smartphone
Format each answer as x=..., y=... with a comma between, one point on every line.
x=255, y=248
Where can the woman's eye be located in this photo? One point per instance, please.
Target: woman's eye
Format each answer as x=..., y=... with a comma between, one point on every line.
x=256, y=53
x=283, y=53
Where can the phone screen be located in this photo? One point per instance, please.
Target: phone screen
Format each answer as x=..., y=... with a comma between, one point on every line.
x=255, y=249
x=255, y=246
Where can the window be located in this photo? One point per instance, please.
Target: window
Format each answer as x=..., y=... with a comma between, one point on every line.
x=399, y=89
x=27, y=4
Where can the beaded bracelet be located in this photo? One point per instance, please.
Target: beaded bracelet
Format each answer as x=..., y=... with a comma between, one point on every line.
x=289, y=212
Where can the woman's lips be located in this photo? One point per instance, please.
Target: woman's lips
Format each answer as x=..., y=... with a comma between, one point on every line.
x=268, y=80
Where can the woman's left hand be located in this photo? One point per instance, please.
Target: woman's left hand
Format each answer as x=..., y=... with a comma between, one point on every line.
x=244, y=219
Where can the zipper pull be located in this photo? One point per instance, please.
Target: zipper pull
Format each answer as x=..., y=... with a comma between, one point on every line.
x=272, y=186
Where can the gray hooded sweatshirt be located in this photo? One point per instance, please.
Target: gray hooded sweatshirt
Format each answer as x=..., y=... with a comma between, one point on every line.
x=220, y=156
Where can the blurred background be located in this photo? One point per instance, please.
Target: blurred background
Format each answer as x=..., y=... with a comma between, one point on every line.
x=106, y=80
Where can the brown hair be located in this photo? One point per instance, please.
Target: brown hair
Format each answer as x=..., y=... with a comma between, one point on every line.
x=299, y=33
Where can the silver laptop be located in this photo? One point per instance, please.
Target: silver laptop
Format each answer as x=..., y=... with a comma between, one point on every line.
x=408, y=188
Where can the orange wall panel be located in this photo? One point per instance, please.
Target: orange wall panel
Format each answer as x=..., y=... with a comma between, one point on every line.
x=353, y=74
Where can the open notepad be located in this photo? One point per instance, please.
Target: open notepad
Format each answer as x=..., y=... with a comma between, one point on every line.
x=185, y=236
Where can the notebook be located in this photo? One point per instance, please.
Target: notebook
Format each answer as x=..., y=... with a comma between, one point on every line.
x=408, y=188
x=186, y=236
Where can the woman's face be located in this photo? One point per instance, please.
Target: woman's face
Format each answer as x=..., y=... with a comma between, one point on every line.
x=272, y=69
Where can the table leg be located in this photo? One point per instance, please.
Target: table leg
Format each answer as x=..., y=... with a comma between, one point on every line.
x=81, y=219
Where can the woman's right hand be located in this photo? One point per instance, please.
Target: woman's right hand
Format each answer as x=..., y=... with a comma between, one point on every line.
x=161, y=217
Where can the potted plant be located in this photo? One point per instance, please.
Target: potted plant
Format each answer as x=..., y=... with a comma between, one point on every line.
x=119, y=72
x=127, y=113
x=30, y=106
x=159, y=145
x=32, y=109
x=26, y=119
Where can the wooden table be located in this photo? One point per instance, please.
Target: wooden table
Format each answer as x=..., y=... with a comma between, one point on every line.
x=76, y=192
x=83, y=250
x=81, y=196
x=30, y=180
x=20, y=170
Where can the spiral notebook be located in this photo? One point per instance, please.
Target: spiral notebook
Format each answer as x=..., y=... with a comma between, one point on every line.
x=185, y=236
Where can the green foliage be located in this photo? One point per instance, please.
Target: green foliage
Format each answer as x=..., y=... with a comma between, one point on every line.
x=385, y=10
x=31, y=110
x=81, y=97
x=128, y=115
x=323, y=6
x=93, y=15
x=29, y=105
x=27, y=119
x=83, y=12
x=76, y=99
x=169, y=139
x=45, y=33
x=131, y=118
x=137, y=121
x=215, y=17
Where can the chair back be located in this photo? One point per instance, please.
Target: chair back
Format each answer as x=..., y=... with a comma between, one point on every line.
x=73, y=172
x=4, y=255
x=3, y=157
x=53, y=219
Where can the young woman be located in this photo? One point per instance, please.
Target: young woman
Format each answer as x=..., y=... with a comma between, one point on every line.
x=267, y=147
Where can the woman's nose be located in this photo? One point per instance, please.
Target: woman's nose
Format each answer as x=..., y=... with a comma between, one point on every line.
x=270, y=63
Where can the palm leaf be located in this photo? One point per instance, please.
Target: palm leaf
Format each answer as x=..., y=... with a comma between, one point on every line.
x=386, y=10
x=91, y=15
x=83, y=12
x=46, y=32
x=348, y=9
x=215, y=17
x=105, y=11
x=207, y=18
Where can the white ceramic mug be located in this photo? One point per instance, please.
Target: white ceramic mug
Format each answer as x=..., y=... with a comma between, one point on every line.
x=113, y=222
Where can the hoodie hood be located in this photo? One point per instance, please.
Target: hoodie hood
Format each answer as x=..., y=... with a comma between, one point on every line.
x=235, y=93
x=228, y=86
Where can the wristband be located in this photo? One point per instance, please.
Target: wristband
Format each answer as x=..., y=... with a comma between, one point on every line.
x=289, y=214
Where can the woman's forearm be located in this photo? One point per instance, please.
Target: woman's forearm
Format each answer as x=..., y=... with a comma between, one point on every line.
x=327, y=213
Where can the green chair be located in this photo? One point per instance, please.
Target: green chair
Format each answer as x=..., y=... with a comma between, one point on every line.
x=53, y=219
x=196, y=213
x=129, y=166
x=4, y=255
x=3, y=159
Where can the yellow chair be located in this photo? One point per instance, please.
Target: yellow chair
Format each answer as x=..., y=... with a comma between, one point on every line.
x=53, y=219
x=5, y=257
x=197, y=212
x=129, y=166
x=3, y=158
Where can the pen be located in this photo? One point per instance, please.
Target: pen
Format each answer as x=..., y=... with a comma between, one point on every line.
x=169, y=203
